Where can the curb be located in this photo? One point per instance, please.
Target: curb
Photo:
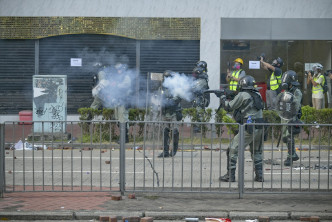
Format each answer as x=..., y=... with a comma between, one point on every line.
x=88, y=215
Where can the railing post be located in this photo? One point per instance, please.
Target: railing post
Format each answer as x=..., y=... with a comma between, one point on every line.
x=241, y=161
x=2, y=160
x=122, y=163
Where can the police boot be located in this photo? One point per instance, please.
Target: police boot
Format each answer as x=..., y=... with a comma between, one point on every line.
x=165, y=153
x=175, y=142
x=230, y=175
x=292, y=156
x=259, y=172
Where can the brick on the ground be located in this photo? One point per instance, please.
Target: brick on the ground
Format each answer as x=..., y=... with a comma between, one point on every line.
x=131, y=219
x=311, y=219
x=113, y=219
x=314, y=219
x=263, y=219
x=131, y=196
x=146, y=219
x=103, y=218
x=116, y=197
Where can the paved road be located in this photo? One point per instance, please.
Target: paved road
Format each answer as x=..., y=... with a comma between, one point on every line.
x=190, y=170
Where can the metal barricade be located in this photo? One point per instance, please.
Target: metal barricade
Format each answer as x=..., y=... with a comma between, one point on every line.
x=94, y=156
x=80, y=159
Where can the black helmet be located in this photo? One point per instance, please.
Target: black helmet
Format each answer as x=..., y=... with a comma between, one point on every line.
x=278, y=62
x=198, y=70
x=288, y=78
x=202, y=64
x=167, y=73
x=246, y=82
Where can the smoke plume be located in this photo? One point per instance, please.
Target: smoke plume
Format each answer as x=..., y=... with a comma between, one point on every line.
x=180, y=85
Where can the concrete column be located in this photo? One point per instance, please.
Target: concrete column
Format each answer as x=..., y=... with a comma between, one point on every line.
x=210, y=52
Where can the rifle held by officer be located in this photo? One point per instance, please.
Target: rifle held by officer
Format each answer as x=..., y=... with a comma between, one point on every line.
x=219, y=92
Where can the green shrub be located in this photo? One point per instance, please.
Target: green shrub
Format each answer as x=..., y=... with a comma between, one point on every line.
x=194, y=115
x=218, y=119
x=233, y=128
x=271, y=117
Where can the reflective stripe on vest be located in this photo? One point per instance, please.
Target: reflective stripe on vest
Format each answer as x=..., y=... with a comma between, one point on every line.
x=274, y=81
x=233, y=83
x=316, y=89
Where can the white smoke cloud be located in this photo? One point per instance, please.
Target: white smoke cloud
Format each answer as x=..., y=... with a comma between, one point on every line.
x=116, y=87
x=180, y=85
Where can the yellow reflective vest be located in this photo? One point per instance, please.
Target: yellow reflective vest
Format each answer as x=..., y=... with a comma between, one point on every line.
x=318, y=87
x=275, y=81
x=233, y=83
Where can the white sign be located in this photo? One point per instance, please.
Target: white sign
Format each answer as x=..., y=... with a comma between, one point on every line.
x=75, y=62
x=308, y=66
x=254, y=64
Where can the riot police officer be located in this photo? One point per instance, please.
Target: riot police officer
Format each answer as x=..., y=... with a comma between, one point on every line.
x=273, y=85
x=202, y=64
x=171, y=113
x=201, y=100
x=289, y=109
x=99, y=78
x=247, y=105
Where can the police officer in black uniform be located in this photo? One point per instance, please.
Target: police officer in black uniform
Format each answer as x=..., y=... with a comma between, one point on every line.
x=289, y=109
x=201, y=100
x=248, y=107
x=171, y=113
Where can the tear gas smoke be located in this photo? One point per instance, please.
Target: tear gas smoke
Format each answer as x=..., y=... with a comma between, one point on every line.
x=115, y=85
x=180, y=85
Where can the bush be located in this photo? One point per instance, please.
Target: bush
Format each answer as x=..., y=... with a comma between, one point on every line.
x=194, y=115
x=233, y=128
x=219, y=119
x=271, y=117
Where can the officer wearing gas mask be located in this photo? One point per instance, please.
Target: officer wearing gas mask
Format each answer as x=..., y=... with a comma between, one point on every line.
x=273, y=86
x=248, y=107
x=234, y=77
x=171, y=112
x=99, y=82
x=201, y=100
x=289, y=109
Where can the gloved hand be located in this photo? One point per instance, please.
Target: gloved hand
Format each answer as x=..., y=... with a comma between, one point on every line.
x=223, y=98
x=218, y=94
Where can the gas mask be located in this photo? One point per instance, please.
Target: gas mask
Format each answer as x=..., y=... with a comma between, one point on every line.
x=274, y=63
x=284, y=82
x=236, y=66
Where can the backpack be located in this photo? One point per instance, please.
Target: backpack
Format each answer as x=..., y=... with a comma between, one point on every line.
x=324, y=85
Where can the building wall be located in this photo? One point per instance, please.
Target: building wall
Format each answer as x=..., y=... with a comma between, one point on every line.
x=210, y=11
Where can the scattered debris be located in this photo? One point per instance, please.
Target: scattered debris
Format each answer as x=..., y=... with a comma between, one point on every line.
x=191, y=219
x=218, y=220
x=137, y=148
x=28, y=146
x=271, y=162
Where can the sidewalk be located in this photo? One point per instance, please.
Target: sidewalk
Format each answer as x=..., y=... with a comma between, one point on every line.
x=162, y=206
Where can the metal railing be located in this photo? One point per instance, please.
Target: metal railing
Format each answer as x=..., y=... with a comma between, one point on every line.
x=94, y=156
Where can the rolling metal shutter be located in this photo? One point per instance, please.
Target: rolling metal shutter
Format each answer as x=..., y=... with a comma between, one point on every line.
x=55, y=54
x=176, y=55
x=17, y=66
